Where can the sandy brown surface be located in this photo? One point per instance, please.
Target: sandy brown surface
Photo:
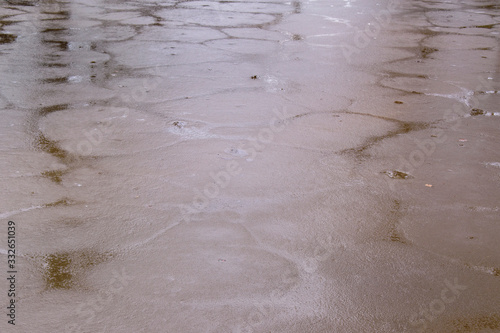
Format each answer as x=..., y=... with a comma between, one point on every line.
x=251, y=166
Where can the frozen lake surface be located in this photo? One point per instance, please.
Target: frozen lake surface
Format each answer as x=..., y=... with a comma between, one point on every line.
x=251, y=166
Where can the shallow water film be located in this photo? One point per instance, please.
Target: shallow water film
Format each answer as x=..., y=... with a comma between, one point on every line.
x=250, y=166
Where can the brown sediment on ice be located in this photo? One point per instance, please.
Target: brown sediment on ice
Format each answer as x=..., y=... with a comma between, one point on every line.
x=54, y=175
x=61, y=202
x=396, y=212
x=482, y=322
x=63, y=270
x=50, y=146
x=403, y=127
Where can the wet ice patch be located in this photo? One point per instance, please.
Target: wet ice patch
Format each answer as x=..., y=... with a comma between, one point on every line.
x=143, y=20
x=245, y=46
x=335, y=19
x=241, y=7
x=323, y=40
x=439, y=5
x=429, y=87
x=459, y=19
x=214, y=18
x=112, y=33
x=460, y=42
x=118, y=16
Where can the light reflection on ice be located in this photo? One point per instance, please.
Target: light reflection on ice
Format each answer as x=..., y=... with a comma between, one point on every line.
x=15, y=212
x=335, y=19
